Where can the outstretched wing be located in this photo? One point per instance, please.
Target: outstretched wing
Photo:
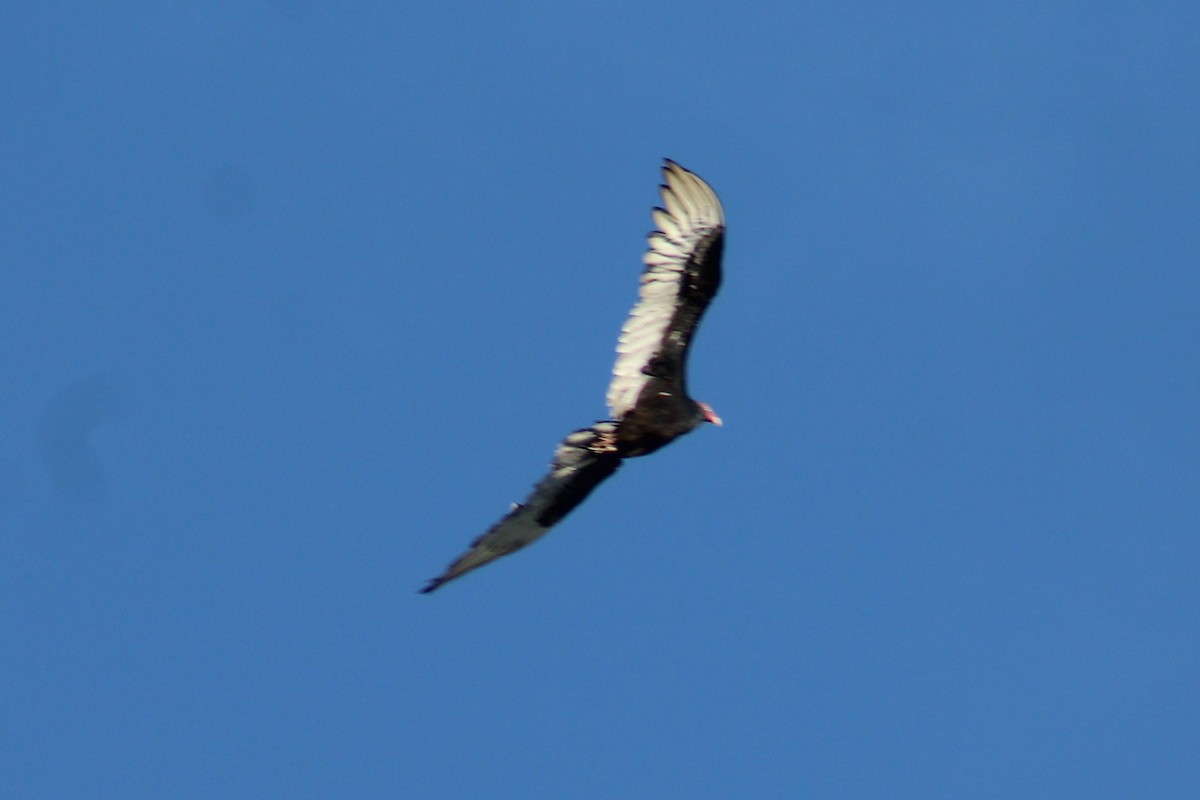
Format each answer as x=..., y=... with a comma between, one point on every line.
x=581, y=462
x=683, y=272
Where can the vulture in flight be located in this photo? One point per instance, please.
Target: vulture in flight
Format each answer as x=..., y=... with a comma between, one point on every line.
x=648, y=397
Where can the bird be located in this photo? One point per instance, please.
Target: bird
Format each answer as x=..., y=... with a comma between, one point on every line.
x=647, y=397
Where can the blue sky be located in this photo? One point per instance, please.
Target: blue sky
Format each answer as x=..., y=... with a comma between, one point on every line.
x=297, y=297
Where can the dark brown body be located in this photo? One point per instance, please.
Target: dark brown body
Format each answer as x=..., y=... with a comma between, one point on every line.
x=659, y=418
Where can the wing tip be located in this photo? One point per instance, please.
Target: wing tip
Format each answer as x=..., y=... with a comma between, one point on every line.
x=672, y=166
x=692, y=193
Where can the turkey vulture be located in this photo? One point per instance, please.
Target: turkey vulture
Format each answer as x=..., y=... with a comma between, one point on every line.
x=648, y=396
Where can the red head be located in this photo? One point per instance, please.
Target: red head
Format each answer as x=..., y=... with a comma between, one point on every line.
x=707, y=412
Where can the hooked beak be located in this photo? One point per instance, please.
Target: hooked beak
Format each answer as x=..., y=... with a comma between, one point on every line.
x=709, y=414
